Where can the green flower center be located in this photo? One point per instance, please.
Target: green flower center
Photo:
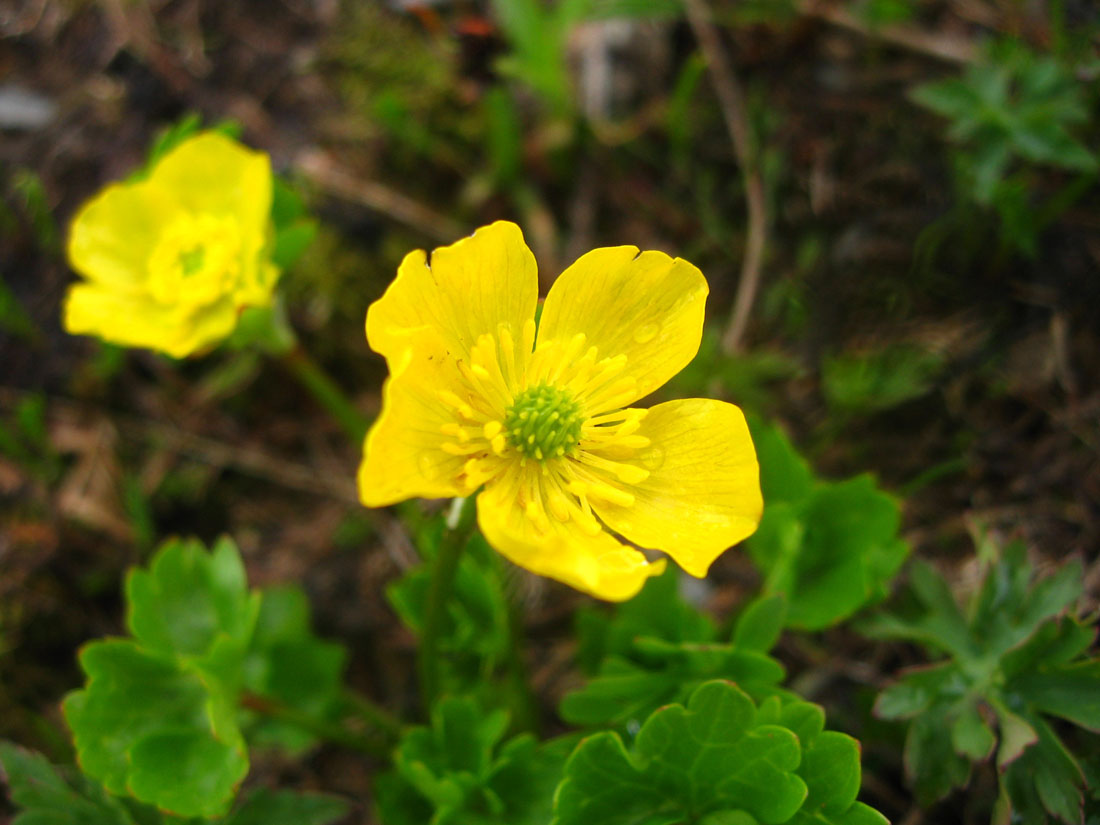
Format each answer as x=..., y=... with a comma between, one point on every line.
x=191, y=260
x=544, y=422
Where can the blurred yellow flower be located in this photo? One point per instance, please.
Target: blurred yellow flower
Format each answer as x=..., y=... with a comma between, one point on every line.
x=478, y=396
x=170, y=260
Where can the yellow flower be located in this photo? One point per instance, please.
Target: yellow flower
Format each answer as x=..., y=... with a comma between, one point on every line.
x=170, y=260
x=477, y=397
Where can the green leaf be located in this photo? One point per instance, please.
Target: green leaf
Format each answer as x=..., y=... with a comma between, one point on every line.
x=760, y=624
x=291, y=242
x=784, y=474
x=46, y=797
x=1011, y=105
x=266, y=807
x=832, y=552
x=457, y=772
x=931, y=764
x=476, y=640
x=655, y=672
x=918, y=689
x=1071, y=692
x=971, y=735
x=686, y=763
x=720, y=760
x=1012, y=652
x=288, y=663
x=657, y=649
x=156, y=728
x=1047, y=770
x=1017, y=735
x=830, y=768
x=879, y=379
x=188, y=598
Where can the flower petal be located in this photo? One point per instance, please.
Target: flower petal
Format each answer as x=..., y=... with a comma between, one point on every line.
x=595, y=564
x=402, y=455
x=114, y=233
x=467, y=290
x=215, y=174
x=647, y=306
x=703, y=491
x=136, y=321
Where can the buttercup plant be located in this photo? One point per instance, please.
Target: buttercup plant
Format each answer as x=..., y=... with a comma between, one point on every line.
x=171, y=259
x=480, y=396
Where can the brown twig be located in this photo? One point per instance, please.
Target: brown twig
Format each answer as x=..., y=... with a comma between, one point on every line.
x=731, y=99
x=933, y=44
x=322, y=170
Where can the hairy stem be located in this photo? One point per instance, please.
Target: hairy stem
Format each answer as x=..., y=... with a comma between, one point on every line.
x=460, y=525
x=327, y=393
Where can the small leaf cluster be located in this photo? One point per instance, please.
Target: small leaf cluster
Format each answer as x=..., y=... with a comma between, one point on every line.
x=718, y=760
x=1015, y=656
x=48, y=795
x=657, y=649
x=1013, y=105
x=830, y=547
x=459, y=771
x=476, y=637
x=158, y=718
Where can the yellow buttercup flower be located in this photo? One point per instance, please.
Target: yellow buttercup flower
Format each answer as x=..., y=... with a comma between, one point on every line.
x=170, y=260
x=479, y=396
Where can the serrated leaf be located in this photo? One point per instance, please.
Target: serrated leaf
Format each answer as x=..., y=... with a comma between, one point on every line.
x=288, y=663
x=917, y=689
x=661, y=672
x=266, y=807
x=1054, y=643
x=456, y=772
x=1052, y=772
x=188, y=598
x=1070, y=691
x=686, y=763
x=931, y=764
x=45, y=797
x=187, y=771
x=971, y=735
x=476, y=637
x=133, y=701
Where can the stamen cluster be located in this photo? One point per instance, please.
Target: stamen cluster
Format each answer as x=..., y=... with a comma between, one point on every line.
x=544, y=422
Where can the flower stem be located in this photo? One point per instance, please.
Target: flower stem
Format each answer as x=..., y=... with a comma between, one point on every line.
x=372, y=713
x=460, y=524
x=327, y=393
x=524, y=705
x=321, y=728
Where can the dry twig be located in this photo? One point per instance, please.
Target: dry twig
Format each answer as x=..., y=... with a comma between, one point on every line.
x=731, y=98
x=334, y=179
x=933, y=44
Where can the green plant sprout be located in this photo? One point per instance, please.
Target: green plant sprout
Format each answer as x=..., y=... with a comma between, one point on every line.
x=1016, y=655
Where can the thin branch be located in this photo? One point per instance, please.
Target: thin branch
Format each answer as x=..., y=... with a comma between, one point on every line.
x=320, y=168
x=731, y=99
x=934, y=44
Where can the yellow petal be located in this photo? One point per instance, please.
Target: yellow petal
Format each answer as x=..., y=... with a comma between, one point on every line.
x=215, y=174
x=703, y=490
x=137, y=321
x=645, y=306
x=469, y=289
x=403, y=455
x=594, y=564
x=114, y=233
